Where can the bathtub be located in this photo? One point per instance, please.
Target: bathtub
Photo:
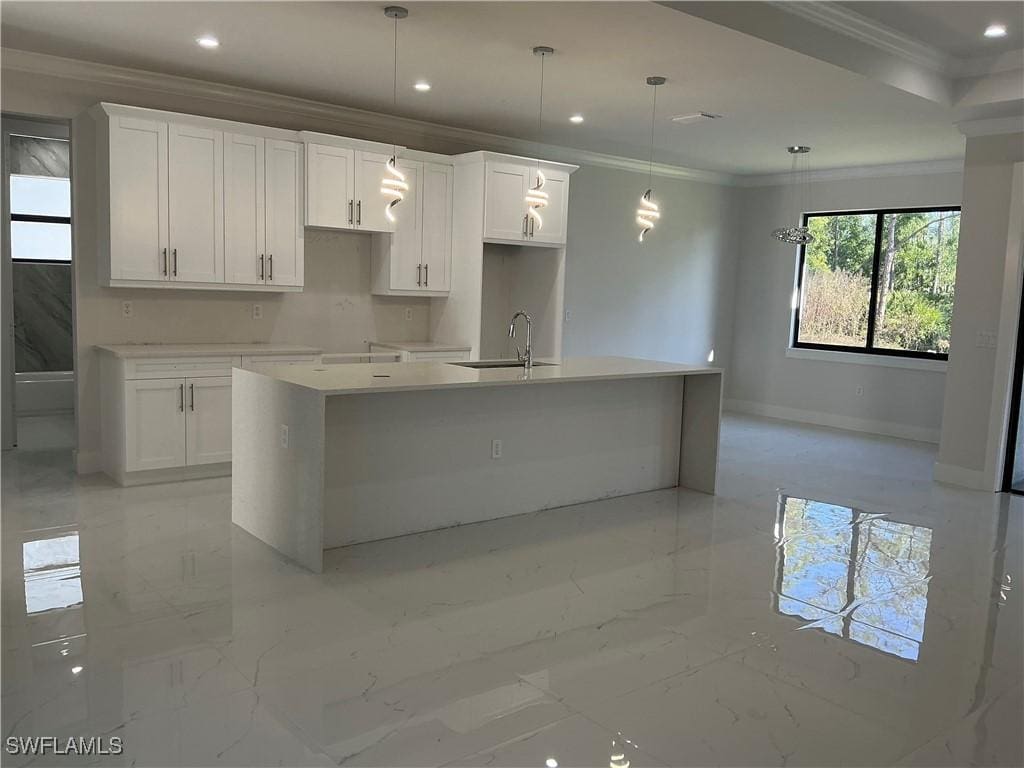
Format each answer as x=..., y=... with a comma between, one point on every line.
x=44, y=392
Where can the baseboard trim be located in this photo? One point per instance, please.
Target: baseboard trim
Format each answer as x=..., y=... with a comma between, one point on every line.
x=951, y=474
x=88, y=462
x=850, y=423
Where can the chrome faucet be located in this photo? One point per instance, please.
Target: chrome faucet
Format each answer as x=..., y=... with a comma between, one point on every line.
x=525, y=357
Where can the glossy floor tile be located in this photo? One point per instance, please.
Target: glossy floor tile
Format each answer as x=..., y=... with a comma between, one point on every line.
x=831, y=606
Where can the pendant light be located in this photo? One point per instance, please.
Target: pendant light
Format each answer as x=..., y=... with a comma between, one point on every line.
x=394, y=186
x=648, y=214
x=798, y=235
x=536, y=197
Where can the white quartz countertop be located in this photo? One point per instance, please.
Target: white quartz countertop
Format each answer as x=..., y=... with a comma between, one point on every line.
x=205, y=350
x=422, y=346
x=365, y=378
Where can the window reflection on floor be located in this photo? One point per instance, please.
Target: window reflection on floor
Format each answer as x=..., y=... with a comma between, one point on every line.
x=53, y=576
x=855, y=575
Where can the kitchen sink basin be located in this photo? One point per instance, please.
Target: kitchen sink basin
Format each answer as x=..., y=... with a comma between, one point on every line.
x=500, y=364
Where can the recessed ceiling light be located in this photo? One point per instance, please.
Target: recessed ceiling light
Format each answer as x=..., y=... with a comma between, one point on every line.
x=576, y=119
x=551, y=763
x=422, y=85
x=208, y=41
x=995, y=30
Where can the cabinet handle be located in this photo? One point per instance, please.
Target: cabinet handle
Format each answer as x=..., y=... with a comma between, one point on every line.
x=175, y=252
x=350, y=212
x=419, y=274
x=181, y=398
x=191, y=397
x=165, y=261
x=270, y=267
x=526, y=225
x=426, y=274
x=261, y=266
x=359, y=212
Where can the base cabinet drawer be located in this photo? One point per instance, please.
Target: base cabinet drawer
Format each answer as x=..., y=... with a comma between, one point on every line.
x=177, y=422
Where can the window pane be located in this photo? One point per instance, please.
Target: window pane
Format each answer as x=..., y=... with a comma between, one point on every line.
x=35, y=241
x=41, y=195
x=836, y=286
x=917, y=271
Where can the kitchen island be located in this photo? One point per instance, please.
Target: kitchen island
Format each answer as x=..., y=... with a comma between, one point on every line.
x=331, y=455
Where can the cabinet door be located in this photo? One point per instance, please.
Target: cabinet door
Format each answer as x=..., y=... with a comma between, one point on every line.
x=244, y=209
x=556, y=213
x=208, y=420
x=284, y=213
x=196, y=203
x=330, y=173
x=138, y=199
x=154, y=424
x=370, y=203
x=504, y=200
x=437, y=226
x=407, y=239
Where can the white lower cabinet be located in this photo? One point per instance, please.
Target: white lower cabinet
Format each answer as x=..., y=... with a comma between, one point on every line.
x=177, y=422
x=171, y=414
x=208, y=420
x=154, y=424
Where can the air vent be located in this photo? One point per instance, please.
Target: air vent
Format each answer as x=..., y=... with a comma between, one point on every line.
x=696, y=117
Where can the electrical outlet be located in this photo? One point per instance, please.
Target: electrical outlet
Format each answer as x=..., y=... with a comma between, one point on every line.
x=567, y=315
x=860, y=390
x=257, y=311
x=495, y=449
x=284, y=435
x=127, y=310
x=408, y=313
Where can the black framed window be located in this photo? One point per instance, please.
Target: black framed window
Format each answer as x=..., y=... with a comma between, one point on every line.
x=40, y=218
x=878, y=281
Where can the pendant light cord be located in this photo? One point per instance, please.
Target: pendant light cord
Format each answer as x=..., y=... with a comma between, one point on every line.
x=650, y=160
x=394, y=86
x=540, y=107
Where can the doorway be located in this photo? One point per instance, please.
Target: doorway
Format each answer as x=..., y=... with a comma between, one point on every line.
x=38, y=359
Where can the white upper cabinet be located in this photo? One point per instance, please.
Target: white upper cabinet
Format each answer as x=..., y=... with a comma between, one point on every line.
x=196, y=202
x=505, y=210
x=244, y=209
x=437, y=184
x=343, y=183
x=505, y=202
x=416, y=259
x=330, y=182
x=136, y=189
x=284, y=235
x=191, y=202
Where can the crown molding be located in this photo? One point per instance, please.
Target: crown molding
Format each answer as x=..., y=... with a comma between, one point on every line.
x=994, y=126
x=926, y=168
x=359, y=122
x=853, y=25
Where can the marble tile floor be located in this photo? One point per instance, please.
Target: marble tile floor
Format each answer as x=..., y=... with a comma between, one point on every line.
x=831, y=606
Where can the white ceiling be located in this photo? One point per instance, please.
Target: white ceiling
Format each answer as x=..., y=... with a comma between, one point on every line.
x=955, y=28
x=477, y=56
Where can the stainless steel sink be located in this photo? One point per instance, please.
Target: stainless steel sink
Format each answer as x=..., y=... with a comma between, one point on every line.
x=500, y=364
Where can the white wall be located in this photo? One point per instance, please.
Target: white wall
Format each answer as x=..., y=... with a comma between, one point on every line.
x=763, y=379
x=669, y=298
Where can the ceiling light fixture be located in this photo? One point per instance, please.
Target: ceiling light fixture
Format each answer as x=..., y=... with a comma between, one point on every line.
x=995, y=30
x=800, y=234
x=576, y=119
x=422, y=86
x=209, y=42
x=394, y=186
x=648, y=213
x=536, y=197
